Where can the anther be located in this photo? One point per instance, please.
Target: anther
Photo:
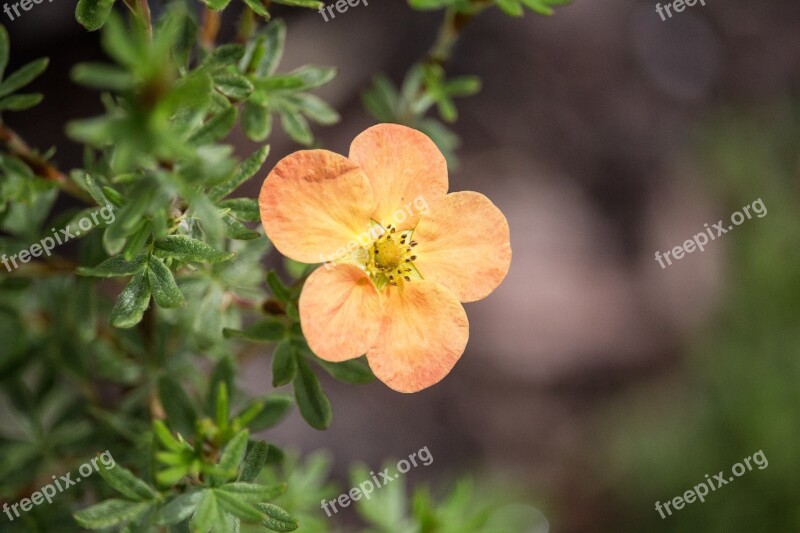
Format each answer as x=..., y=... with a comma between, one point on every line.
x=406, y=278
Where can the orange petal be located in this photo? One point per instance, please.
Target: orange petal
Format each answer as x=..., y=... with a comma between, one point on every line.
x=340, y=312
x=464, y=245
x=423, y=334
x=406, y=169
x=313, y=204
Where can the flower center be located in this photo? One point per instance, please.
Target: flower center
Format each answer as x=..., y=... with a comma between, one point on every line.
x=390, y=259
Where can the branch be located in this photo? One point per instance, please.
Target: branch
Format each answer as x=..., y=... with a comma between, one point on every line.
x=449, y=32
x=17, y=147
x=209, y=29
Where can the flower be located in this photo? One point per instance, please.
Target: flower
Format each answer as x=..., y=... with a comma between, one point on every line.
x=401, y=253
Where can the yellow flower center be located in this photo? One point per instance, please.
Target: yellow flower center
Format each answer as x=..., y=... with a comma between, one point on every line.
x=390, y=259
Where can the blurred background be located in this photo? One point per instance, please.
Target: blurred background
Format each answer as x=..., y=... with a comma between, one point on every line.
x=595, y=381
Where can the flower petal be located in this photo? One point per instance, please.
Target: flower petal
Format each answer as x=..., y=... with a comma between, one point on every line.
x=340, y=312
x=423, y=334
x=406, y=169
x=464, y=245
x=314, y=203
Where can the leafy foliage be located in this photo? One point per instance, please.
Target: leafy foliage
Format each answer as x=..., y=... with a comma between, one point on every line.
x=107, y=343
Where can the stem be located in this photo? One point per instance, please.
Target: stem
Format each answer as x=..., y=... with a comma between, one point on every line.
x=210, y=28
x=246, y=26
x=449, y=32
x=141, y=9
x=17, y=147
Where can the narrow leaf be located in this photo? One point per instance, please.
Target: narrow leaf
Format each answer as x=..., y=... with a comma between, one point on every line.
x=162, y=284
x=284, y=364
x=254, y=462
x=92, y=14
x=113, y=267
x=127, y=484
x=131, y=305
x=189, y=250
x=110, y=513
x=23, y=76
x=314, y=405
x=278, y=519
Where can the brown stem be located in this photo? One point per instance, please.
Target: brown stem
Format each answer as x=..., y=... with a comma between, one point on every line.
x=449, y=32
x=247, y=24
x=17, y=147
x=210, y=28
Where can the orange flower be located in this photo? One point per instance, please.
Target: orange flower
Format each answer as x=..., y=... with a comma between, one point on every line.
x=400, y=253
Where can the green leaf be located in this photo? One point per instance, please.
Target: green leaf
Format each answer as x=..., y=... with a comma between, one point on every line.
x=238, y=231
x=284, y=364
x=267, y=330
x=314, y=405
x=162, y=284
x=314, y=76
x=256, y=121
x=20, y=102
x=208, y=513
x=296, y=126
x=510, y=7
x=463, y=86
x=315, y=108
x=127, y=484
x=252, y=492
x=189, y=250
x=233, y=84
x=224, y=374
x=177, y=404
x=110, y=513
x=223, y=406
x=278, y=289
x=5, y=46
x=217, y=5
x=93, y=188
x=237, y=507
x=165, y=437
x=132, y=303
x=102, y=76
x=225, y=54
x=354, y=371
x=244, y=208
x=278, y=519
x=23, y=76
x=92, y=14
x=381, y=99
x=254, y=462
x=216, y=128
x=124, y=46
x=244, y=172
x=178, y=509
x=274, y=41
x=258, y=8
x=275, y=409
x=310, y=4
x=234, y=452
x=113, y=267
